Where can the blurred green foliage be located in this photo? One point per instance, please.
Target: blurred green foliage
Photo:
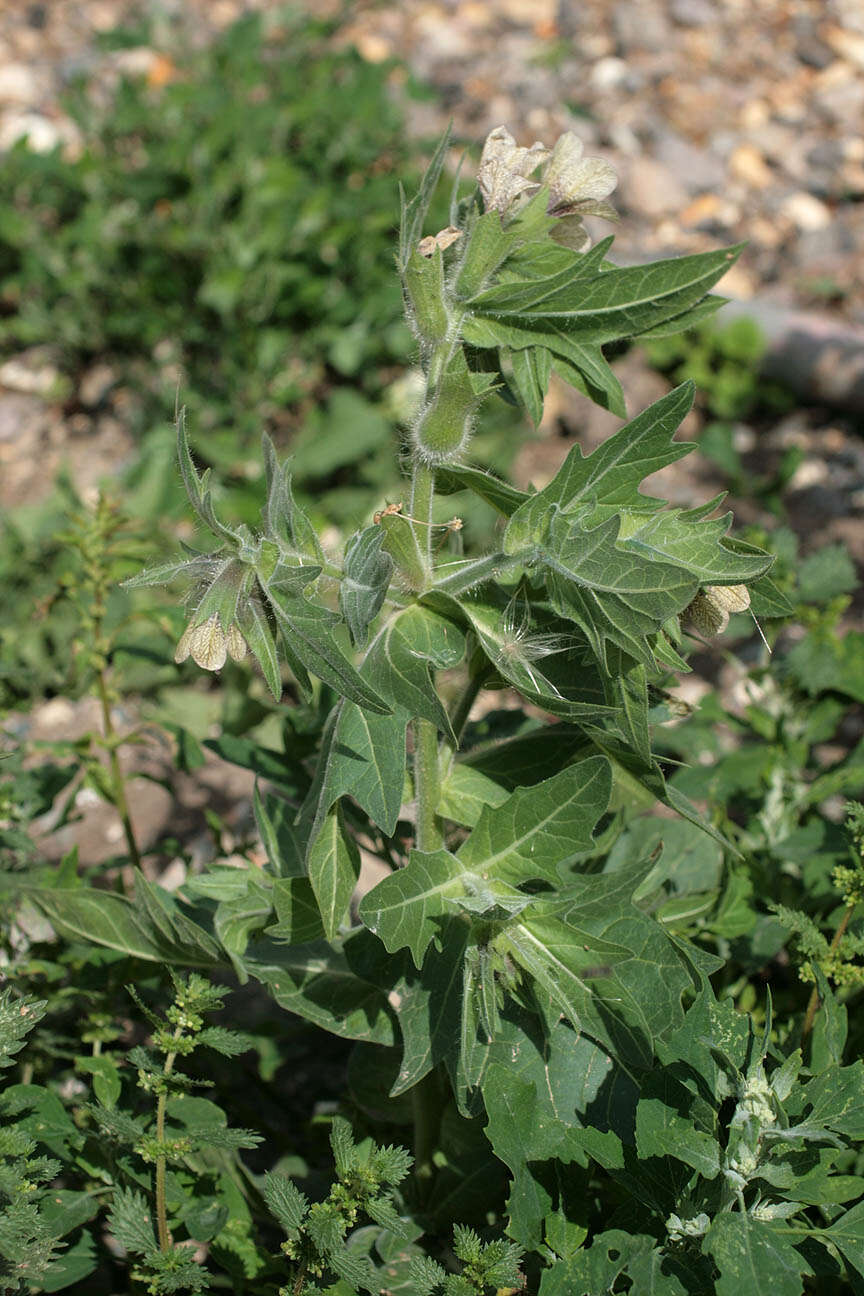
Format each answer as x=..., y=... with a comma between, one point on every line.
x=236, y=221
x=725, y=362
x=225, y=237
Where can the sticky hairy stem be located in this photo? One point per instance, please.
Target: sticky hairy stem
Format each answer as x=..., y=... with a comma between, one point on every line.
x=422, y=497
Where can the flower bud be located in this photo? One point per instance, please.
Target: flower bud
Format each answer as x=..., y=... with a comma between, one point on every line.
x=443, y=429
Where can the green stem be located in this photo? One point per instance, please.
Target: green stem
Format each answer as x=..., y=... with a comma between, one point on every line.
x=813, y=1005
x=422, y=496
x=427, y=1106
x=462, y=709
x=117, y=779
x=161, y=1209
x=427, y=785
x=426, y=773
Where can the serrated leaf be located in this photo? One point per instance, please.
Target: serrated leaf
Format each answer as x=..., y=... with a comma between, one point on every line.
x=366, y=572
x=613, y=303
x=401, y=658
x=77, y=1262
x=18, y=1016
x=130, y=1221
x=285, y=1200
x=531, y=368
x=365, y=758
x=316, y=982
x=500, y=494
x=753, y=1255
x=111, y=920
x=334, y=866
x=611, y=475
x=307, y=633
x=522, y=839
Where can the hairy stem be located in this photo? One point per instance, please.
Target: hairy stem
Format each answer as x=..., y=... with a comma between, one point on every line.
x=427, y=785
x=462, y=709
x=161, y=1210
x=422, y=496
x=813, y=1005
x=426, y=773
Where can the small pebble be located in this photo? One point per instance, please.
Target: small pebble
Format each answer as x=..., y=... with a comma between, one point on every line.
x=806, y=211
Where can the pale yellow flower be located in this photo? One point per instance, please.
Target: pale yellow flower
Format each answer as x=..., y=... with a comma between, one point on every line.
x=576, y=183
x=505, y=169
x=209, y=645
x=710, y=609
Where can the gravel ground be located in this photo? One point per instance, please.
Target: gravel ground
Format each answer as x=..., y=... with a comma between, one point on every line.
x=726, y=119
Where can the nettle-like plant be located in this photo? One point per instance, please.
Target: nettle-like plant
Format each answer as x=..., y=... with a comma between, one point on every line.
x=572, y=1077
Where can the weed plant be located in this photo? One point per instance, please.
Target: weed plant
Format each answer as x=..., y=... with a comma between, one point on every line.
x=561, y=1044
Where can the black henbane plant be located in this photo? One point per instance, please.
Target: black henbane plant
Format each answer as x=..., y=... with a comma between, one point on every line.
x=519, y=991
